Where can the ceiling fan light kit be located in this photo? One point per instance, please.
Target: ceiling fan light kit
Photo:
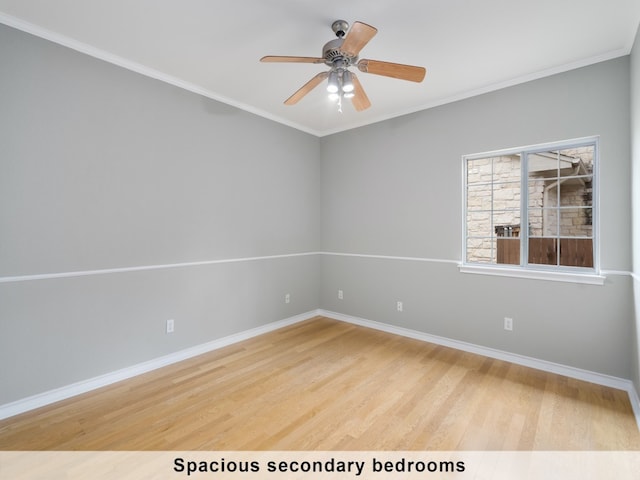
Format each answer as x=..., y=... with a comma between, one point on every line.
x=342, y=53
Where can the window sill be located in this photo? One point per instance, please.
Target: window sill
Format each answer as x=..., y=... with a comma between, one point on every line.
x=570, y=277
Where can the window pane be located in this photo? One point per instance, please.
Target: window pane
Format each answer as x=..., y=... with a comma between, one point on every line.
x=543, y=222
x=479, y=224
x=536, y=192
x=480, y=250
x=576, y=252
x=542, y=165
x=506, y=224
x=479, y=171
x=479, y=197
x=506, y=195
x=543, y=251
x=581, y=158
x=535, y=222
x=508, y=250
x=576, y=222
x=576, y=191
x=506, y=168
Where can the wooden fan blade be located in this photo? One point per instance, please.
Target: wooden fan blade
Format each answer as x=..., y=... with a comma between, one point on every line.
x=395, y=70
x=358, y=36
x=306, y=88
x=360, y=100
x=276, y=58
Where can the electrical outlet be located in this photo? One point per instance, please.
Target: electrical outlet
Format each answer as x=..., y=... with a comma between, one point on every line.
x=508, y=323
x=399, y=306
x=340, y=295
x=287, y=298
x=170, y=325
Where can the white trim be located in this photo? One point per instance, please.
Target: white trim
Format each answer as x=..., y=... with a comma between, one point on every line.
x=143, y=70
x=68, y=391
x=572, y=372
x=62, y=393
x=177, y=82
x=106, y=271
x=634, y=275
x=618, y=272
x=83, y=273
x=551, y=367
x=390, y=257
x=560, y=276
x=489, y=88
x=635, y=402
x=505, y=271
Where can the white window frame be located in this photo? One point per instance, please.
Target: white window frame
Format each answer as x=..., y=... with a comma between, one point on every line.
x=526, y=270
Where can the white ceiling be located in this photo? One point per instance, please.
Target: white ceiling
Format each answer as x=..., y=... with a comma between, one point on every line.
x=213, y=47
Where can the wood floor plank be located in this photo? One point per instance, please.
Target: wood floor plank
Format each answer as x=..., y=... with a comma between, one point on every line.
x=328, y=385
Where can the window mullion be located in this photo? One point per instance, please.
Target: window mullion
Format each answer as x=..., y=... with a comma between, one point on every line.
x=524, y=209
x=558, y=211
x=492, y=231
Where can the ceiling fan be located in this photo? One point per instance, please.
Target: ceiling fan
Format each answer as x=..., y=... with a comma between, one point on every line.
x=339, y=55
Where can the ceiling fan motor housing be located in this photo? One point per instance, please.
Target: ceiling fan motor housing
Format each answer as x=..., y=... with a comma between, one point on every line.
x=331, y=52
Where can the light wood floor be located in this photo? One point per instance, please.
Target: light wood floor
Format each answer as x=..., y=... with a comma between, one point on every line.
x=327, y=385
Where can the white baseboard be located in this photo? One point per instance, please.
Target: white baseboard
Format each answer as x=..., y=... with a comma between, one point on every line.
x=62, y=393
x=68, y=391
x=571, y=372
x=635, y=403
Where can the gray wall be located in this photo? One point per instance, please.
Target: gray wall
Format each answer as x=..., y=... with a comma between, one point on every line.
x=103, y=168
x=395, y=189
x=635, y=147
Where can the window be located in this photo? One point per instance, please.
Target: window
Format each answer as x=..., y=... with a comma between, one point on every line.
x=532, y=209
